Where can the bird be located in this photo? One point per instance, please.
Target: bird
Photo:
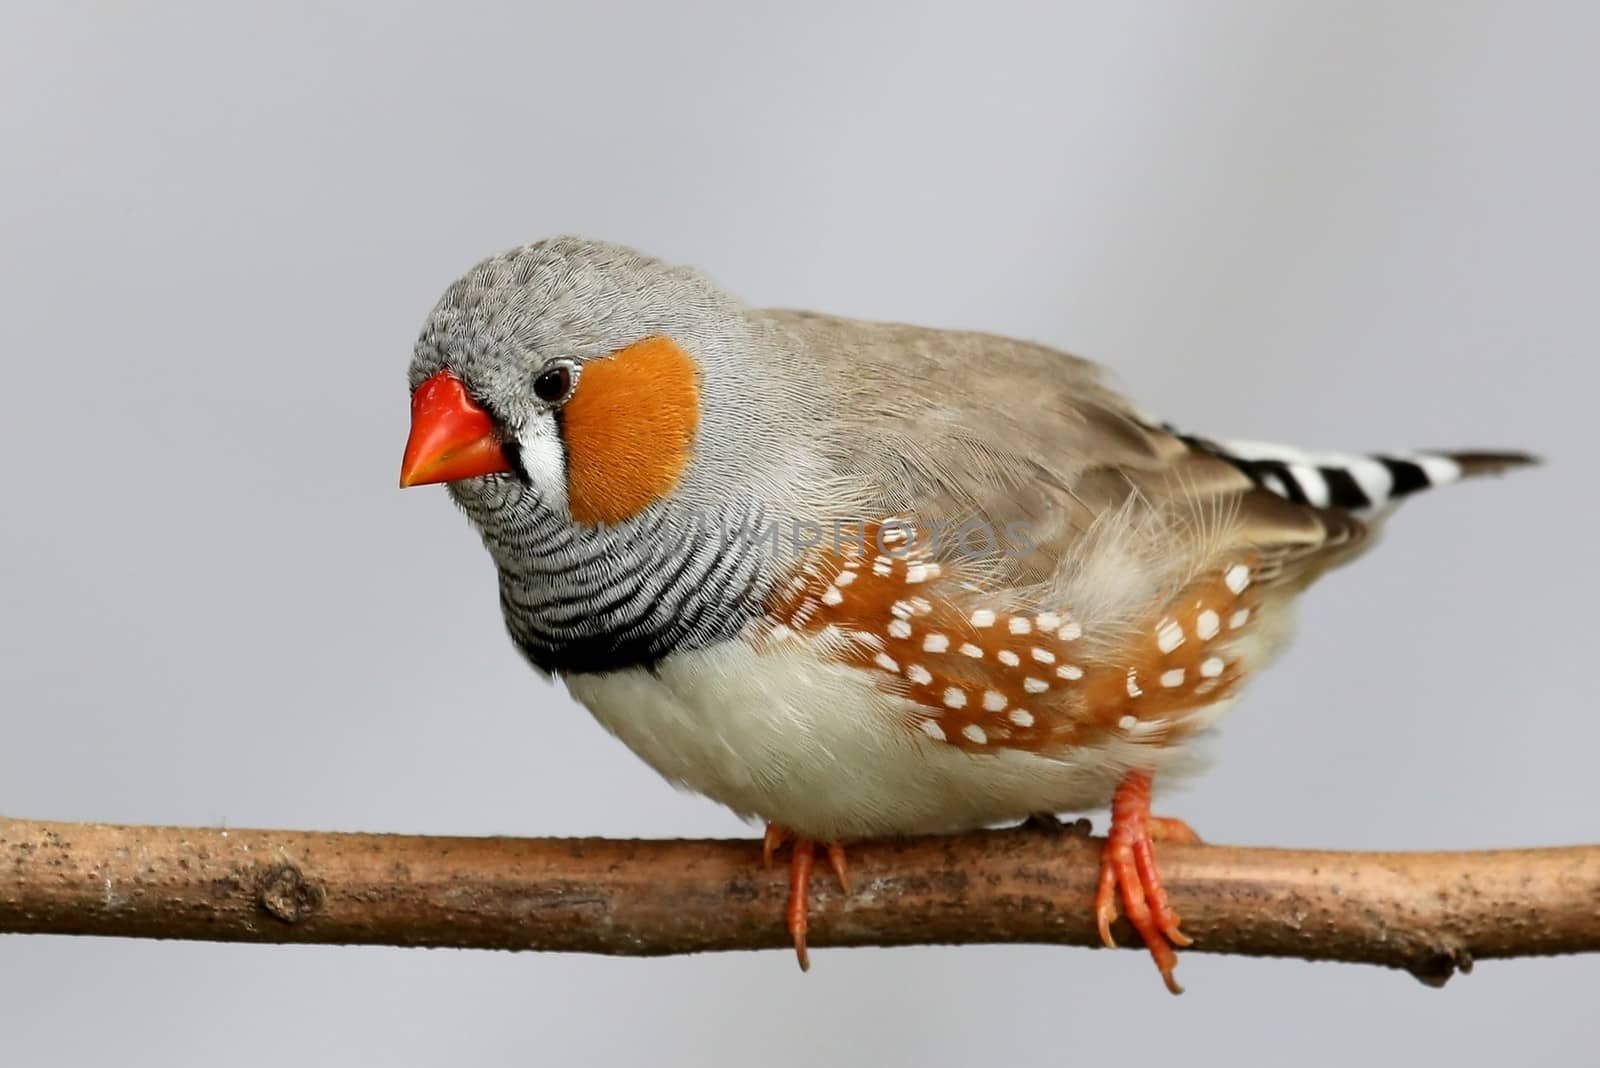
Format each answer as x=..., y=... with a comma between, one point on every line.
x=863, y=579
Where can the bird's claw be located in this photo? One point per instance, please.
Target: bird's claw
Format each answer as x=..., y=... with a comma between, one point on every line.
x=802, y=859
x=1128, y=864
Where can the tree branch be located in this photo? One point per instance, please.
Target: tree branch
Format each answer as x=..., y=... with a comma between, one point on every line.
x=1429, y=913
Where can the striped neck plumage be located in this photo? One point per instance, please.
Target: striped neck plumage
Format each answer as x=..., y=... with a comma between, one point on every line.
x=581, y=599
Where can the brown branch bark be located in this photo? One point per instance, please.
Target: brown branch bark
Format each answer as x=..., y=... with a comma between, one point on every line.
x=1429, y=913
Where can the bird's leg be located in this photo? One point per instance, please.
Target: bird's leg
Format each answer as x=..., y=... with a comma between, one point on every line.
x=1128, y=863
x=801, y=860
x=798, y=912
x=771, y=842
x=836, y=863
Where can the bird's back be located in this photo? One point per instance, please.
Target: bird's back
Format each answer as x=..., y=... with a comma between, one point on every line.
x=951, y=427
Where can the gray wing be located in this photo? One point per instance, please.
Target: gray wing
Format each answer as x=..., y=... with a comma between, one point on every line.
x=955, y=426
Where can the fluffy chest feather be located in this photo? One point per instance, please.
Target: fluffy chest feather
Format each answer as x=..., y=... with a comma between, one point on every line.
x=874, y=699
x=818, y=747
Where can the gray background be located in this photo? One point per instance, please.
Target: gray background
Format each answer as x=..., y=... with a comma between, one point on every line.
x=1340, y=225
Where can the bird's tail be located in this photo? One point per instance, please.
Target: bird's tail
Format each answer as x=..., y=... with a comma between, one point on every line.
x=1352, y=482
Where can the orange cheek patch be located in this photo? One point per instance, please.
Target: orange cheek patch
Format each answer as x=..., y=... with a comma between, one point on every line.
x=629, y=430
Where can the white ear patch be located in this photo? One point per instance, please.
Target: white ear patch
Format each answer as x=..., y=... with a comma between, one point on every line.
x=539, y=448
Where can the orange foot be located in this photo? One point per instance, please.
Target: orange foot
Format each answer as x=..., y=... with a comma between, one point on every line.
x=1128, y=862
x=801, y=860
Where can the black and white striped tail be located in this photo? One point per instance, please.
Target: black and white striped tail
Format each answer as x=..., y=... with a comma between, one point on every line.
x=1355, y=483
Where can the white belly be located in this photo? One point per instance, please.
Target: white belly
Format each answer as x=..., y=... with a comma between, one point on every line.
x=780, y=735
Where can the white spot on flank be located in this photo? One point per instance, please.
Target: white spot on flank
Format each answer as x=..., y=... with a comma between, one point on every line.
x=954, y=697
x=887, y=662
x=1070, y=631
x=1127, y=723
x=1033, y=685
x=1169, y=635
x=1239, y=619
x=1047, y=620
x=1044, y=656
x=832, y=596
x=935, y=643
x=1211, y=667
x=1021, y=717
x=983, y=618
x=974, y=734
x=1008, y=658
x=900, y=610
x=932, y=730
x=899, y=628
x=880, y=569
x=919, y=674
x=781, y=633
x=921, y=605
x=1172, y=679
x=1133, y=683
x=1070, y=671
x=1206, y=625
x=919, y=573
x=994, y=701
x=1237, y=578
x=1018, y=625
x=968, y=649
x=844, y=578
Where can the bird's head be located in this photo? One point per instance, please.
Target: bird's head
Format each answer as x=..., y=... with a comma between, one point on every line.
x=599, y=383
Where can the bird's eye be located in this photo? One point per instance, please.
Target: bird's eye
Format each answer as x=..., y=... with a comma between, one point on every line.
x=555, y=383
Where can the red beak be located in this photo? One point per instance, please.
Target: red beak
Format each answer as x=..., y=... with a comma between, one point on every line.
x=451, y=437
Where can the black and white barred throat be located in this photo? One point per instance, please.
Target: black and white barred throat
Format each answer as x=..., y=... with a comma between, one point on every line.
x=580, y=599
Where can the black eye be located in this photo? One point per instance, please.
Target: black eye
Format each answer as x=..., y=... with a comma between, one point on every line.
x=554, y=384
